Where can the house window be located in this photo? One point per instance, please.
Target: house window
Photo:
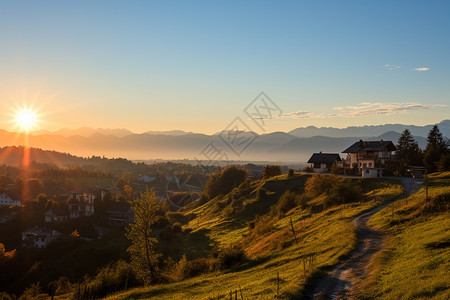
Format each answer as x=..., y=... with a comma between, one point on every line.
x=317, y=166
x=370, y=165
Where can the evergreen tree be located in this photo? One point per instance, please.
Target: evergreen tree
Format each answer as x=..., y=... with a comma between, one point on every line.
x=437, y=148
x=408, y=151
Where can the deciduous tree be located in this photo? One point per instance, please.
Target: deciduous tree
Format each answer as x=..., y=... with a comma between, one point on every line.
x=144, y=258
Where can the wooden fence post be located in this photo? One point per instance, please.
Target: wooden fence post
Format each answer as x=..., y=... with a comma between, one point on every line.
x=293, y=232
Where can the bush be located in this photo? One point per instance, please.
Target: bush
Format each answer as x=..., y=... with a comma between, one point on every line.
x=337, y=170
x=231, y=256
x=271, y=171
x=114, y=278
x=291, y=172
x=308, y=169
x=225, y=181
x=186, y=269
x=319, y=184
x=286, y=202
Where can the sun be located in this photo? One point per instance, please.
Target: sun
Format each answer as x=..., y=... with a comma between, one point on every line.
x=26, y=119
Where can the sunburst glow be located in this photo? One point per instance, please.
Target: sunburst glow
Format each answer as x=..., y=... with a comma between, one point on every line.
x=26, y=119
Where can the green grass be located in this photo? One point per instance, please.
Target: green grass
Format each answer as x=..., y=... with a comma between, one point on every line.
x=328, y=236
x=415, y=263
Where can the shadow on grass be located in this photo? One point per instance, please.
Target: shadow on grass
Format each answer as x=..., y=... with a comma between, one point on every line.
x=194, y=244
x=250, y=264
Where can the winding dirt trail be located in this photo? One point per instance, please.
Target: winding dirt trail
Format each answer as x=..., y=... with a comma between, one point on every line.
x=342, y=281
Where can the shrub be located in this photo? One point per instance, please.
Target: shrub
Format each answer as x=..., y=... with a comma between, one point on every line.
x=286, y=202
x=337, y=170
x=63, y=286
x=225, y=181
x=271, y=171
x=231, y=256
x=308, y=169
x=319, y=184
x=116, y=277
x=186, y=269
x=291, y=172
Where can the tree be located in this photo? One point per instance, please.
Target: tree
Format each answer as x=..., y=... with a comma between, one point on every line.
x=408, y=151
x=128, y=190
x=271, y=171
x=144, y=258
x=436, y=148
x=225, y=181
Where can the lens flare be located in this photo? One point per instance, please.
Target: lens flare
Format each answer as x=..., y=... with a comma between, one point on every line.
x=26, y=119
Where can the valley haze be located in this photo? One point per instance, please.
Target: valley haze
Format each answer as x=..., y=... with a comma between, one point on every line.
x=296, y=145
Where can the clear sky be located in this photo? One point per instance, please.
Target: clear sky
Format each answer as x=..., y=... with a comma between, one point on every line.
x=195, y=65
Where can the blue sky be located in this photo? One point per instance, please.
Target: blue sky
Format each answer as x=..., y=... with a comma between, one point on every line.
x=195, y=65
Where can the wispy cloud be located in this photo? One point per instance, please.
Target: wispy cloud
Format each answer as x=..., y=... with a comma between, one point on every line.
x=392, y=67
x=362, y=110
x=421, y=69
x=368, y=109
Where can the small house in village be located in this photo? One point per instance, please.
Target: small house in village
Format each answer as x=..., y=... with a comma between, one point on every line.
x=370, y=157
x=56, y=214
x=81, y=204
x=322, y=162
x=9, y=198
x=37, y=237
x=146, y=178
x=120, y=213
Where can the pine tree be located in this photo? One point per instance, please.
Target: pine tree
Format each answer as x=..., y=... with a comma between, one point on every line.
x=144, y=258
x=437, y=148
x=408, y=151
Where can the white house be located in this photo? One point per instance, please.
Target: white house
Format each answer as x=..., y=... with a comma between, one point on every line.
x=372, y=172
x=9, y=198
x=146, y=178
x=37, y=237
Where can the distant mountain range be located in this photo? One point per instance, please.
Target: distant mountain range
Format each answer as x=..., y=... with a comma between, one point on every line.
x=294, y=146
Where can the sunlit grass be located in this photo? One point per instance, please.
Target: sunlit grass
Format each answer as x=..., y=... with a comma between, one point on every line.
x=415, y=263
x=327, y=236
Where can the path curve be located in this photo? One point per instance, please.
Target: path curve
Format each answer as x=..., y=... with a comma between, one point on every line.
x=343, y=279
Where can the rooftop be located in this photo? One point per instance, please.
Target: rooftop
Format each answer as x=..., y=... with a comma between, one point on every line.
x=370, y=146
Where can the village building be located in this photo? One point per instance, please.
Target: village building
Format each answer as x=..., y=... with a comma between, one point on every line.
x=369, y=158
x=112, y=192
x=81, y=204
x=146, y=178
x=56, y=214
x=37, y=237
x=120, y=213
x=9, y=198
x=323, y=162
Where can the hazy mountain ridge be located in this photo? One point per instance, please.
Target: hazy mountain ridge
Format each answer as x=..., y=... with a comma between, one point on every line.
x=279, y=146
x=375, y=130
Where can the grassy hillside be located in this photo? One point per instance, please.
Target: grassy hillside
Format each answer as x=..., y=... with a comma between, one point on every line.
x=415, y=263
x=324, y=236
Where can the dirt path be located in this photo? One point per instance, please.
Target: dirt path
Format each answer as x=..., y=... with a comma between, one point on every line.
x=342, y=281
